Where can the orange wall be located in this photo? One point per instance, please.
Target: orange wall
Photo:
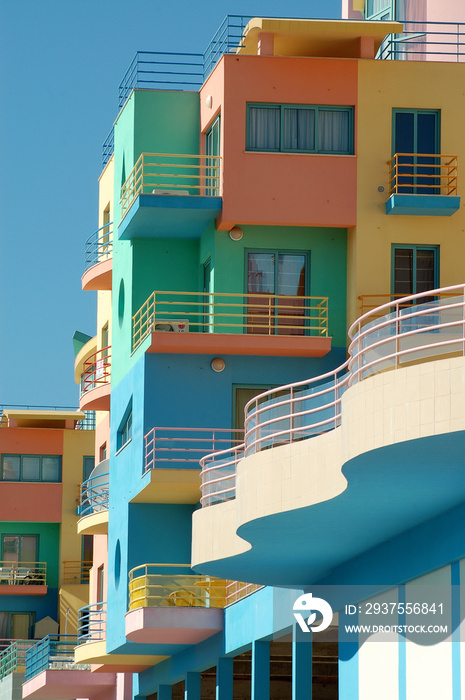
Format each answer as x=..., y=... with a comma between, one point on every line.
x=30, y=502
x=297, y=189
x=31, y=441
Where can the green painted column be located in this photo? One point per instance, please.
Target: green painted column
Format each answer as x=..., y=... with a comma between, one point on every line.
x=260, y=670
x=301, y=664
x=224, y=678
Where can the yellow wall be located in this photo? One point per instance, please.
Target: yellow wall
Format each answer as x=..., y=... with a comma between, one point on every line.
x=74, y=597
x=76, y=444
x=384, y=85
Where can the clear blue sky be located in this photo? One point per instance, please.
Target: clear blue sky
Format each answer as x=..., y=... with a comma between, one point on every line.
x=60, y=66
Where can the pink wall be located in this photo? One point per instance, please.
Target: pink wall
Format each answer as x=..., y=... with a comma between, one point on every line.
x=278, y=188
x=100, y=558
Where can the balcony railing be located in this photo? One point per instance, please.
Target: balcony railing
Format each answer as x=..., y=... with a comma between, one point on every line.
x=218, y=475
x=99, y=246
x=253, y=314
x=95, y=495
x=13, y=658
x=88, y=423
x=422, y=41
x=412, y=330
x=423, y=173
x=147, y=588
x=96, y=370
x=92, y=622
x=23, y=573
x=172, y=174
x=76, y=572
x=182, y=448
x=52, y=652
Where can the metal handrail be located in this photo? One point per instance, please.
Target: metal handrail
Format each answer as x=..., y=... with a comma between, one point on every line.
x=53, y=651
x=182, y=448
x=92, y=622
x=414, y=329
x=96, y=370
x=13, y=658
x=76, y=572
x=218, y=475
x=171, y=173
x=220, y=312
x=99, y=246
x=149, y=589
x=380, y=299
x=409, y=173
x=95, y=495
x=23, y=573
x=420, y=40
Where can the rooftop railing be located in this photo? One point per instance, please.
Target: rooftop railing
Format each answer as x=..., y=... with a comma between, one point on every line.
x=108, y=147
x=76, y=572
x=411, y=330
x=52, y=652
x=92, y=622
x=147, y=588
x=13, y=657
x=99, y=246
x=182, y=448
x=95, y=495
x=88, y=423
x=218, y=312
x=23, y=573
x=172, y=174
x=423, y=41
x=423, y=173
x=96, y=370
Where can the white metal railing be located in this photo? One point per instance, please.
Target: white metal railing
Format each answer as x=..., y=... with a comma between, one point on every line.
x=411, y=330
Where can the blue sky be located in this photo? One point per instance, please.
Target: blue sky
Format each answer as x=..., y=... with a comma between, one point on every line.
x=61, y=64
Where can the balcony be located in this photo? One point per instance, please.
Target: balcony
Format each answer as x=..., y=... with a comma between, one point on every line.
x=171, y=462
x=99, y=259
x=426, y=41
x=235, y=324
x=376, y=304
x=95, y=381
x=13, y=657
x=182, y=608
x=92, y=622
x=94, y=501
x=422, y=185
x=23, y=578
x=52, y=673
x=76, y=572
x=411, y=330
x=180, y=193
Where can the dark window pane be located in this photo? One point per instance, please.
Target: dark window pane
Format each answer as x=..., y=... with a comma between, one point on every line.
x=30, y=468
x=403, y=271
x=299, y=129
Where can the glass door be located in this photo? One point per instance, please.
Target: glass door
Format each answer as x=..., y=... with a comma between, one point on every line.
x=417, y=132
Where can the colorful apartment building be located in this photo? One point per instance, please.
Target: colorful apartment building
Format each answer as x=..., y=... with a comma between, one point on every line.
x=44, y=564
x=258, y=234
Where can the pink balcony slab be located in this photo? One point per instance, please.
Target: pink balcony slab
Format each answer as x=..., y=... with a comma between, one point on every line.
x=160, y=625
x=54, y=684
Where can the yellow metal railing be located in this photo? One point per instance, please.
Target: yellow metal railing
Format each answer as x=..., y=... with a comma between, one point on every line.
x=23, y=573
x=150, y=589
x=369, y=302
x=76, y=571
x=171, y=173
x=259, y=314
x=422, y=173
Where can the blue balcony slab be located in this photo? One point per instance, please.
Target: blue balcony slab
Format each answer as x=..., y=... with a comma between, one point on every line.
x=168, y=216
x=422, y=205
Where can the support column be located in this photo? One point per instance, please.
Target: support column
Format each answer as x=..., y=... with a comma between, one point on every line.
x=192, y=686
x=164, y=692
x=224, y=678
x=260, y=670
x=301, y=664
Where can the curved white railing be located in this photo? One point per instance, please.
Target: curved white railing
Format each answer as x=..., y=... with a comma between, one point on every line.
x=415, y=329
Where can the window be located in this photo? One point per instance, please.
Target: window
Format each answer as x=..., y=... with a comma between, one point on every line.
x=20, y=549
x=31, y=468
x=417, y=131
x=415, y=269
x=124, y=434
x=271, y=277
x=16, y=625
x=212, y=148
x=103, y=452
x=298, y=128
x=101, y=584
x=87, y=466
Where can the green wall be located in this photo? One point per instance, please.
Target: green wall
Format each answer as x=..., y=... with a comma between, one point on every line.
x=49, y=544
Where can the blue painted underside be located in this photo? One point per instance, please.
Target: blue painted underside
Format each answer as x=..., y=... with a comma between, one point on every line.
x=422, y=205
x=393, y=495
x=169, y=216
